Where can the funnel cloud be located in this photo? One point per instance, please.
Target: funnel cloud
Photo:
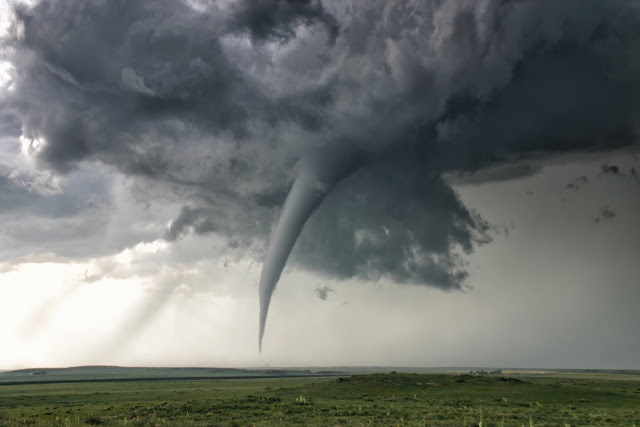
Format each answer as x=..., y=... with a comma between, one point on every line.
x=323, y=134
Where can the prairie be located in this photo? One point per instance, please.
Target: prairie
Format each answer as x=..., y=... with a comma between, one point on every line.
x=395, y=398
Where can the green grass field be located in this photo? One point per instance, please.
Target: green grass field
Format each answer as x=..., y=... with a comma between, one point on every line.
x=375, y=399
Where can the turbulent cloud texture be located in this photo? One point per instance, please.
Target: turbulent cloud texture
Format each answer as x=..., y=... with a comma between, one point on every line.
x=227, y=103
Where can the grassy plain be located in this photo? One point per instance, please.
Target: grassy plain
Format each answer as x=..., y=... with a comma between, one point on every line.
x=374, y=399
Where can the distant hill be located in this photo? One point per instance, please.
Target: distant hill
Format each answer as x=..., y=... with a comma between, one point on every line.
x=118, y=373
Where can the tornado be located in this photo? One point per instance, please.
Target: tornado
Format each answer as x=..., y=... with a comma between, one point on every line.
x=320, y=172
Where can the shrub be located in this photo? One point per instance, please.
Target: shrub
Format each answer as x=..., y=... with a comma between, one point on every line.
x=94, y=421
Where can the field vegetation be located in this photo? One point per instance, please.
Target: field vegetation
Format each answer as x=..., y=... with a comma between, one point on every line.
x=374, y=399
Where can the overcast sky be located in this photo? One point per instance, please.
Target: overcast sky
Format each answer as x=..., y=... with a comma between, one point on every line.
x=464, y=173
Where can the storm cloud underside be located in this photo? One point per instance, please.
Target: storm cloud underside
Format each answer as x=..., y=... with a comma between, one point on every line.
x=350, y=111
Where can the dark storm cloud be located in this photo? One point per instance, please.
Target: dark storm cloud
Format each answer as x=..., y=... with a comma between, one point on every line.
x=190, y=218
x=500, y=172
x=400, y=236
x=279, y=18
x=228, y=103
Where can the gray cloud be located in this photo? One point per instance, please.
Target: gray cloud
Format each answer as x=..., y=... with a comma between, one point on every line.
x=323, y=292
x=42, y=194
x=608, y=169
x=605, y=214
x=224, y=104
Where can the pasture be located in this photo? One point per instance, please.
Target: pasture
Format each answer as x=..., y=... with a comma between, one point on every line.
x=358, y=400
